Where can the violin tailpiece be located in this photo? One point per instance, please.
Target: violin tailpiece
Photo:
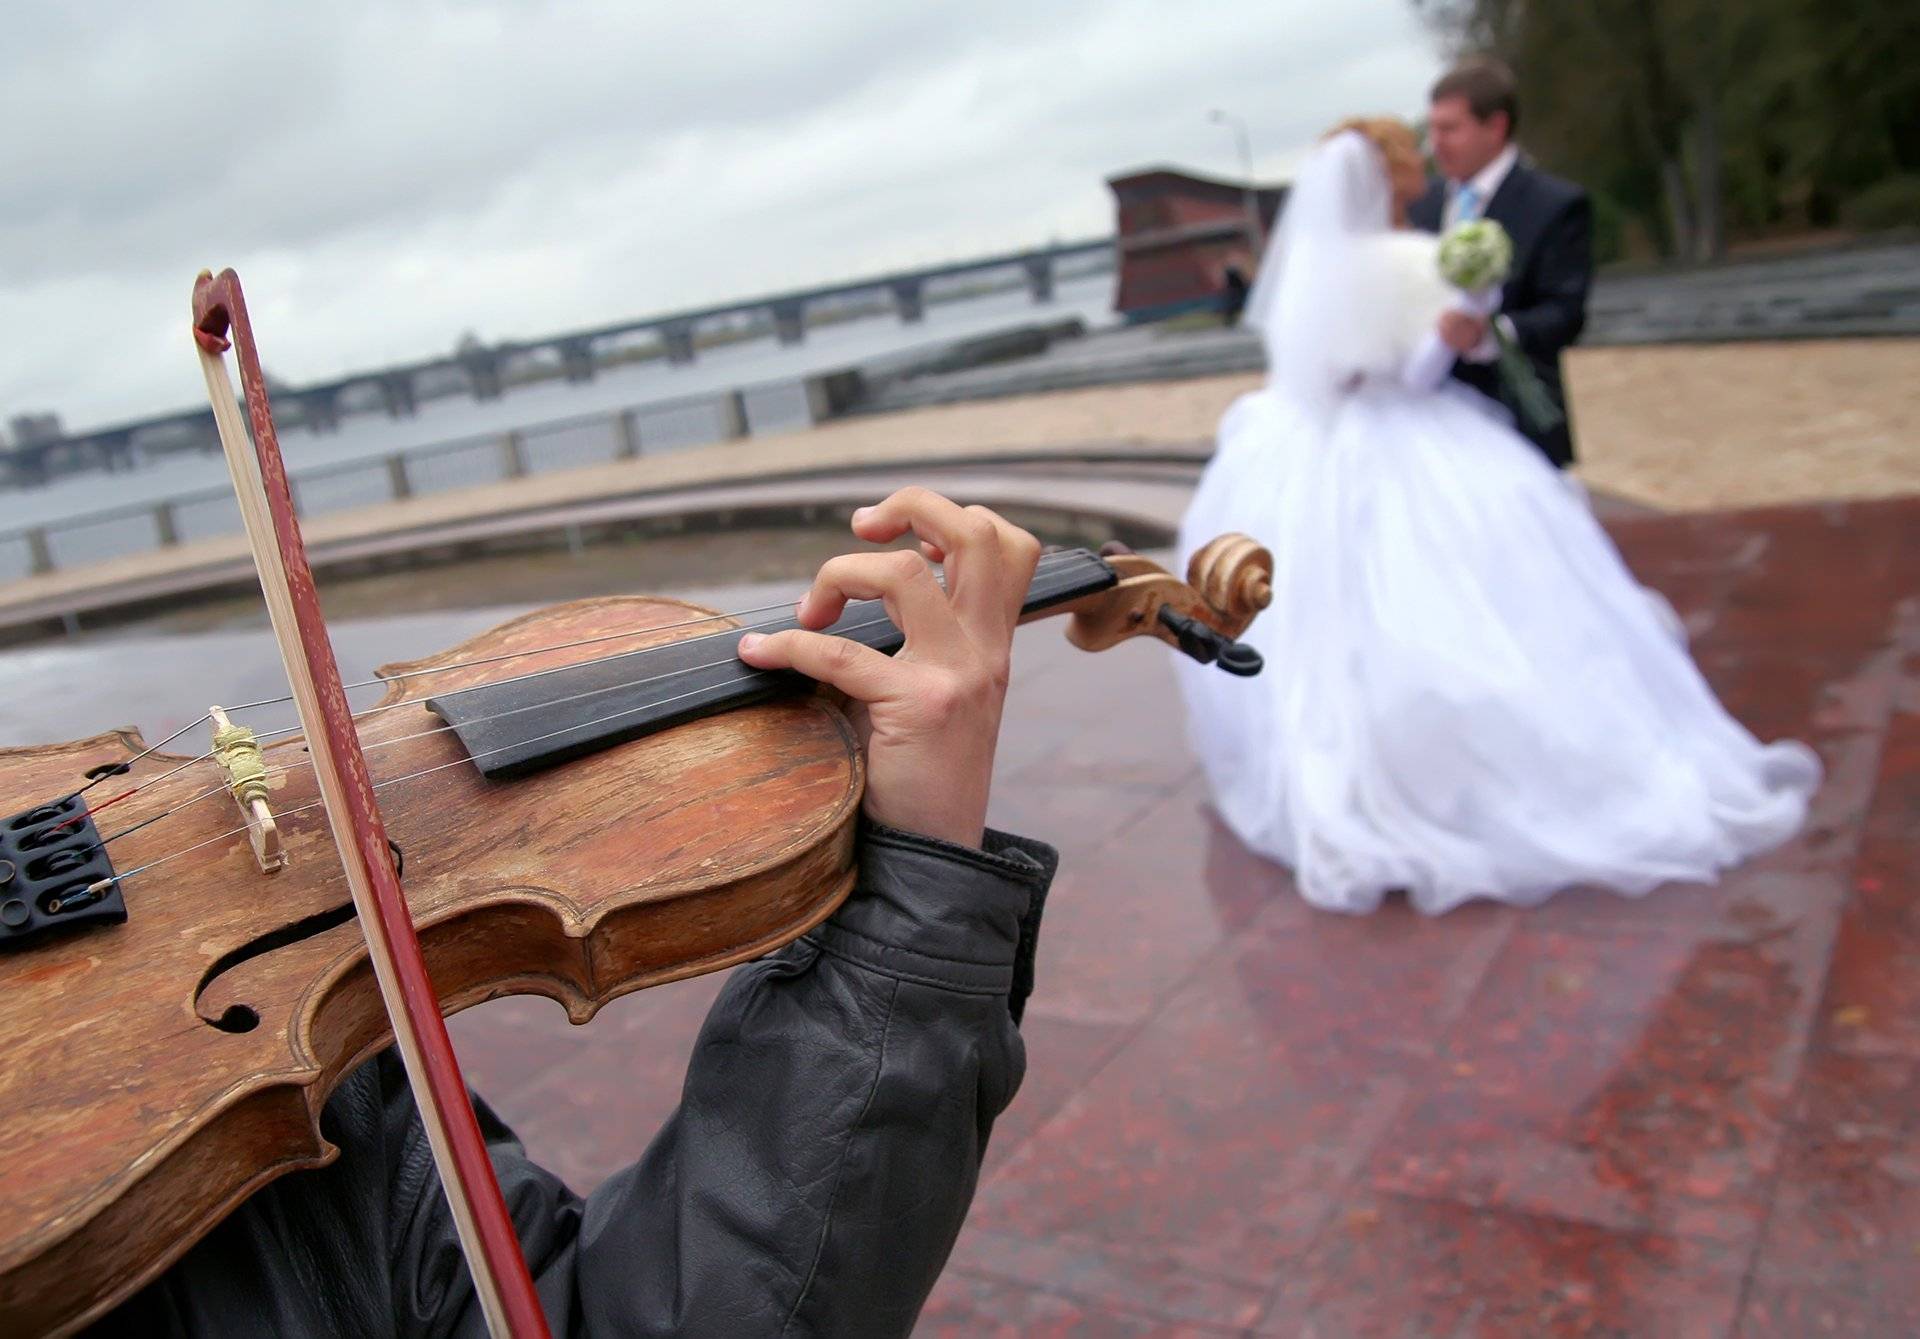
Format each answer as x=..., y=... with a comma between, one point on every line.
x=54, y=873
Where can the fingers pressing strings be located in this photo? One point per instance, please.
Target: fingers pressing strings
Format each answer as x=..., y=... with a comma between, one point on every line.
x=989, y=562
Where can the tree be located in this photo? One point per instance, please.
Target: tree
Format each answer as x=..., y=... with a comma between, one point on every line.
x=1695, y=118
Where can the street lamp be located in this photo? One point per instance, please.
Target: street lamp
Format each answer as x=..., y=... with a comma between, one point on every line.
x=1254, y=230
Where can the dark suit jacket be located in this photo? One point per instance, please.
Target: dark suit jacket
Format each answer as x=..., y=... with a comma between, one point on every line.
x=1551, y=223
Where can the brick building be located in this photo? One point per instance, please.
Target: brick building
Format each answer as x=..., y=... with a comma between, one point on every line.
x=1178, y=233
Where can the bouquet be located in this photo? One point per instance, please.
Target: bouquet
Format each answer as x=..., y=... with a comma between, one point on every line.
x=1475, y=257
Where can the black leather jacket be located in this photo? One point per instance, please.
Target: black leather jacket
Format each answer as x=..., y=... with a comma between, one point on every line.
x=811, y=1182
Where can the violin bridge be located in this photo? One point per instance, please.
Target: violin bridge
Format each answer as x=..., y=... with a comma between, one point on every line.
x=236, y=750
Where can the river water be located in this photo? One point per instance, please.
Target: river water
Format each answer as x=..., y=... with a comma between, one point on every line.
x=372, y=433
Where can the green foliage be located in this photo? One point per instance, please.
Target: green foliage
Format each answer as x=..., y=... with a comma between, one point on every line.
x=1610, y=228
x=1893, y=203
x=1696, y=119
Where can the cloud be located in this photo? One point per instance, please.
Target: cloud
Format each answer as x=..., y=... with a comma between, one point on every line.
x=386, y=175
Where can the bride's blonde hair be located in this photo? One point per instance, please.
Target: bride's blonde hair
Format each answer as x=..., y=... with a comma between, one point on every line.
x=1393, y=137
x=1397, y=143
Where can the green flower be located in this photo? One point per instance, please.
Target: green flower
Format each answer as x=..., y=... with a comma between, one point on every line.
x=1476, y=255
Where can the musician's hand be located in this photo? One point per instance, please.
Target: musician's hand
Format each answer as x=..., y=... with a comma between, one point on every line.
x=1461, y=331
x=929, y=715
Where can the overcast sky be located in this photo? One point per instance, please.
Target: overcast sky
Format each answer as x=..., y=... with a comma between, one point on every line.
x=387, y=175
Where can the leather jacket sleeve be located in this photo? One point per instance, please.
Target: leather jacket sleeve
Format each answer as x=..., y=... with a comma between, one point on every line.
x=811, y=1182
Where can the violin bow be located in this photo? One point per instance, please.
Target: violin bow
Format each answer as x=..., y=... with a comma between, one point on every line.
x=500, y=1275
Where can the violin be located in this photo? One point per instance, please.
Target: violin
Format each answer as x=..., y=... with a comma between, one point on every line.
x=593, y=798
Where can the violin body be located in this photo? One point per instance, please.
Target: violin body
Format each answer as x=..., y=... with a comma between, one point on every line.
x=179, y=998
x=158, y=1072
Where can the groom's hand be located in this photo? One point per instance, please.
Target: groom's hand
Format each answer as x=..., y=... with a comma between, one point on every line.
x=1461, y=332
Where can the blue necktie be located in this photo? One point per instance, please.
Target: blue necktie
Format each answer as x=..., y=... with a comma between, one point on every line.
x=1466, y=207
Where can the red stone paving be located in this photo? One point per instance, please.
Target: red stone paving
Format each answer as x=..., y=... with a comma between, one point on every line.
x=1692, y=1114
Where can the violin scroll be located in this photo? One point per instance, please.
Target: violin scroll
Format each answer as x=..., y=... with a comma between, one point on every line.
x=1229, y=581
x=1233, y=574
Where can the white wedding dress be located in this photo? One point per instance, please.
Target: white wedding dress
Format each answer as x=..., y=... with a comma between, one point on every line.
x=1466, y=693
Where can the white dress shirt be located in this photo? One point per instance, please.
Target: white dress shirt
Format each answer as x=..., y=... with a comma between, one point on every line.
x=1485, y=183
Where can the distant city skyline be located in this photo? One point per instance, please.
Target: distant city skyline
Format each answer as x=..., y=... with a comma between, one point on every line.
x=388, y=177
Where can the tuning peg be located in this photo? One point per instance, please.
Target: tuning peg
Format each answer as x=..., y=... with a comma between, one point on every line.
x=1209, y=647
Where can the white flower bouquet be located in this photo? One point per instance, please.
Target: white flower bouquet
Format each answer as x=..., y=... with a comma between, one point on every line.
x=1476, y=257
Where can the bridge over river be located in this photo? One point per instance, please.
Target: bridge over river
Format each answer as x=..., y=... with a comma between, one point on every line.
x=487, y=369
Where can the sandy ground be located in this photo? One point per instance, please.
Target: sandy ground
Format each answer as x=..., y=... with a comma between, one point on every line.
x=1732, y=425
x=1677, y=427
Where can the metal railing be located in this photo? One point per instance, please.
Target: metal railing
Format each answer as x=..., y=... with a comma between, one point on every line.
x=467, y=462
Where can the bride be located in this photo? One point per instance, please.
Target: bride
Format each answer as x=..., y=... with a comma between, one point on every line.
x=1467, y=695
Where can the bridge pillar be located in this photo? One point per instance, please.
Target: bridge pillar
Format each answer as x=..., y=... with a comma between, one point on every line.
x=206, y=433
x=790, y=321
x=909, y=299
x=114, y=450
x=486, y=373
x=27, y=464
x=1039, y=270
x=396, y=389
x=319, y=410
x=576, y=359
x=678, y=338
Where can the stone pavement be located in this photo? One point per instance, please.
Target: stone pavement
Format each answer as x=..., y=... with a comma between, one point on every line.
x=1692, y=1114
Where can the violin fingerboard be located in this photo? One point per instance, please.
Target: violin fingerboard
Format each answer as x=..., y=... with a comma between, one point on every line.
x=523, y=725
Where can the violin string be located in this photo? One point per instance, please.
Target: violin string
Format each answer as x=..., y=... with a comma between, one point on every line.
x=1047, y=559
x=144, y=754
x=514, y=655
x=1053, y=560
x=284, y=768
x=164, y=776
x=265, y=736
x=425, y=771
x=872, y=623
x=371, y=712
x=441, y=729
x=411, y=702
x=122, y=768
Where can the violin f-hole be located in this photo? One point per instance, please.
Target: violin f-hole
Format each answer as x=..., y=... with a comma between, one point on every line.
x=234, y=1016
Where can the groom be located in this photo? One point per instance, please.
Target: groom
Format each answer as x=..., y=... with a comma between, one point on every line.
x=1472, y=113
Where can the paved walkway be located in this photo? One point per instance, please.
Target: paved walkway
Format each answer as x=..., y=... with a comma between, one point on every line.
x=1136, y=495
x=1693, y=1114
x=1696, y=1114
x=1671, y=428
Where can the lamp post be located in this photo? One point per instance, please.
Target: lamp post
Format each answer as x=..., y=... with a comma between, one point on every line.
x=1240, y=134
